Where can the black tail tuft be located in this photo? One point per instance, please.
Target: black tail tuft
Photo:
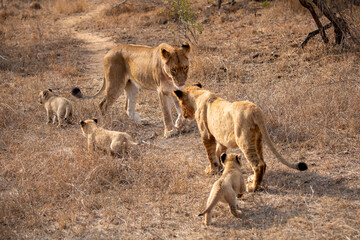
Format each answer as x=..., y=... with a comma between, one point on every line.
x=302, y=166
x=76, y=92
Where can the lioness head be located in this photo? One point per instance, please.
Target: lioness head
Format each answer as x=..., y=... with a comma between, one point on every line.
x=87, y=126
x=230, y=160
x=175, y=63
x=44, y=95
x=187, y=107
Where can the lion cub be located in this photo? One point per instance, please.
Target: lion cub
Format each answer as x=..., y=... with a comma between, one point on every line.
x=112, y=142
x=229, y=186
x=58, y=107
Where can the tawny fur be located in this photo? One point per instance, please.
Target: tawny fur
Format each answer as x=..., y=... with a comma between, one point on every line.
x=131, y=67
x=59, y=108
x=224, y=125
x=227, y=188
x=112, y=142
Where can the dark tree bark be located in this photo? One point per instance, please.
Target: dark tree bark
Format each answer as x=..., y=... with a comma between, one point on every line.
x=341, y=28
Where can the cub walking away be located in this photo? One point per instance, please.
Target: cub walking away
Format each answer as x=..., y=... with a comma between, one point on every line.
x=59, y=107
x=229, y=186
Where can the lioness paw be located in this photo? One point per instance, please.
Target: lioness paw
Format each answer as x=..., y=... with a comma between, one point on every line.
x=170, y=134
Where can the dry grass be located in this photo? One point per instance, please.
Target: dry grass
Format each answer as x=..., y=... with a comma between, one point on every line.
x=69, y=6
x=51, y=187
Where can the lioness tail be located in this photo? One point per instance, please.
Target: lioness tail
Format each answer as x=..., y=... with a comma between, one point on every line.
x=259, y=120
x=76, y=92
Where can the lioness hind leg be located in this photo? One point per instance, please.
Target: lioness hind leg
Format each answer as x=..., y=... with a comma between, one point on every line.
x=115, y=84
x=132, y=93
x=248, y=146
x=259, y=150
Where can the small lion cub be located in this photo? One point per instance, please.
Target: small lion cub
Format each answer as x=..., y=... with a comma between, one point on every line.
x=112, y=142
x=229, y=186
x=59, y=107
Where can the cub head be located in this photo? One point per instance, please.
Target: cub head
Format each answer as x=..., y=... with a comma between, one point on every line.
x=44, y=95
x=186, y=104
x=87, y=126
x=175, y=63
x=230, y=160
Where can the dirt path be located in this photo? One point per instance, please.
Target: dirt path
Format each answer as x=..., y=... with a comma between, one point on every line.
x=95, y=45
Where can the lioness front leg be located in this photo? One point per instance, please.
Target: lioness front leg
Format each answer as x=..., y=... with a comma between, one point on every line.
x=48, y=116
x=179, y=123
x=170, y=129
x=210, y=147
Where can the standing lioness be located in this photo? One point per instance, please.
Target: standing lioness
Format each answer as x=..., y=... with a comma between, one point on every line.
x=223, y=125
x=131, y=67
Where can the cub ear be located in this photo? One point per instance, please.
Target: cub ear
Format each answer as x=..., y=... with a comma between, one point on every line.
x=95, y=120
x=165, y=53
x=82, y=123
x=237, y=159
x=223, y=157
x=178, y=93
x=197, y=84
x=186, y=47
x=50, y=89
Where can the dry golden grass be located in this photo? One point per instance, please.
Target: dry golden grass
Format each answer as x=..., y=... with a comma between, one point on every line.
x=52, y=187
x=69, y=6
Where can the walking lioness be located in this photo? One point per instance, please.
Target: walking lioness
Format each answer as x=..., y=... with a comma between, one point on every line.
x=131, y=67
x=223, y=125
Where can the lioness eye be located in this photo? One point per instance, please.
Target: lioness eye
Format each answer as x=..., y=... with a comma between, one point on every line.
x=185, y=69
x=173, y=71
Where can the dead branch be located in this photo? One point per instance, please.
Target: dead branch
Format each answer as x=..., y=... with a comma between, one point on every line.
x=120, y=3
x=321, y=29
x=232, y=2
x=341, y=28
x=314, y=33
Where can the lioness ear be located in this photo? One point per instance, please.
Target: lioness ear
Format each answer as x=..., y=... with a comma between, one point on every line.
x=178, y=93
x=82, y=123
x=223, y=157
x=197, y=84
x=95, y=120
x=186, y=47
x=165, y=53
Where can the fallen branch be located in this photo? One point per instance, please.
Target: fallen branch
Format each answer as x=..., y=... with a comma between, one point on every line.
x=308, y=5
x=4, y=58
x=314, y=33
x=120, y=3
